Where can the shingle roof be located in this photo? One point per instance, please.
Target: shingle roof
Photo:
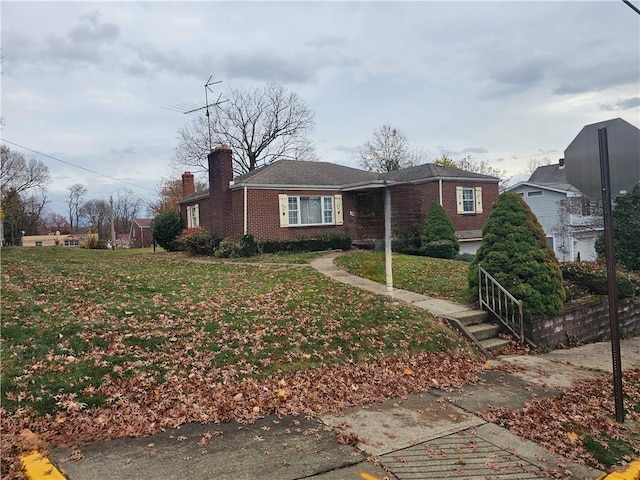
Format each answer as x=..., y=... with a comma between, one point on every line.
x=431, y=170
x=295, y=172
x=143, y=222
x=551, y=175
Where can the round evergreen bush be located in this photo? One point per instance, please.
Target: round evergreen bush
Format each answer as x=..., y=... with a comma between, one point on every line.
x=439, y=234
x=166, y=227
x=514, y=251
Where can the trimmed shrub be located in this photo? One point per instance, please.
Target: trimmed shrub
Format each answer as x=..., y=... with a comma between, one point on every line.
x=591, y=278
x=439, y=235
x=408, y=241
x=440, y=249
x=198, y=241
x=166, y=227
x=231, y=248
x=514, y=251
x=309, y=244
x=465, y=257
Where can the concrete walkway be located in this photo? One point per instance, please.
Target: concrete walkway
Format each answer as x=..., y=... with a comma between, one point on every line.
x=437, y=306
x=434, y=435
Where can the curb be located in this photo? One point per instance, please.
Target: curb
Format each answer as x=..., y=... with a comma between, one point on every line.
x=632, y=472
x=39, y=467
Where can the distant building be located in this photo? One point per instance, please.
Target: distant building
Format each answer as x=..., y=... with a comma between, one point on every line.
x=54, y=240
x=140, y=235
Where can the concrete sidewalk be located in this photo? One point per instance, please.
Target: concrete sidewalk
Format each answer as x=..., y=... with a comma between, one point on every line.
x=434, y=435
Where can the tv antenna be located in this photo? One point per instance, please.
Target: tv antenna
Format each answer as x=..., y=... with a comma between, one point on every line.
x=187, y=108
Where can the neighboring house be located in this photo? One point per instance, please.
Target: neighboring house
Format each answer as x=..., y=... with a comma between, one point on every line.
x=140, y=235
x=570, y=220
x=290, y=199
x=53, y=240
x=122, y=240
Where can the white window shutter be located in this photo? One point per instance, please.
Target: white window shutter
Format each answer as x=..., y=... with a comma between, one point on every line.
x=337, y=210
x=283, y=201
x=459, y=200
x=478, y=199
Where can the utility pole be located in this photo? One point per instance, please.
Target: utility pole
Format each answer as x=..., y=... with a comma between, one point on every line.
x=113, y=226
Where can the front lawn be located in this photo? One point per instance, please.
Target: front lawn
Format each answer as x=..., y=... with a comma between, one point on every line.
x=98, y=343
x=434, y=277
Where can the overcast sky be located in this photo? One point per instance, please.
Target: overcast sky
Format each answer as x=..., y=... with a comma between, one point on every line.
x=505, y=82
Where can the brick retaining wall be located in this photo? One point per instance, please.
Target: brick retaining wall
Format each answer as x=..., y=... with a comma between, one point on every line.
x=584, y=321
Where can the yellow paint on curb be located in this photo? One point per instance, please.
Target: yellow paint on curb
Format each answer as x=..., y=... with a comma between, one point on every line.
x=38, y=467
x=632, y=472
x=366, y=476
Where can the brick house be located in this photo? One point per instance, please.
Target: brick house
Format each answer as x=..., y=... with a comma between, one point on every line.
x=290, y=199
x=140, y=235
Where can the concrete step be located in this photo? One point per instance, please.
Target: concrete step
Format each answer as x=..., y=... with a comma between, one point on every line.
x=494, y=343
x=484, y=331
x=472, y=317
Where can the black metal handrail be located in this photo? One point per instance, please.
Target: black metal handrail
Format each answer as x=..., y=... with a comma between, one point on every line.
x=501, y=303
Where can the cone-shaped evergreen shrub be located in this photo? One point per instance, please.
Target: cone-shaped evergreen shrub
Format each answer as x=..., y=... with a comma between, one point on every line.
x=514, y=251
x=439, y=236
x=166, y=227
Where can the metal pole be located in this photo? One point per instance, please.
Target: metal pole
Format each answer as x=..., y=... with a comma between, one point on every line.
x=611, y=273
x=388, y=266
x=113, y=228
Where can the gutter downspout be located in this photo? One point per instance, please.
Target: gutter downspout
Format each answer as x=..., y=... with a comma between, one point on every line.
x=439, y=191
x=245, y=210
x=387, y=241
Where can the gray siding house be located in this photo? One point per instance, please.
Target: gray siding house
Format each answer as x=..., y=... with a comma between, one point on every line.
x=570, y=220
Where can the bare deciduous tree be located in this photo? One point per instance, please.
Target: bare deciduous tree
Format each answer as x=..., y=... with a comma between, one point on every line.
x=34, y=211
x=534, y=163
x=260, y=126
x=388, y=150
x=126, y=207
x=96, y=212
x=20, y=174
x=469, y=165
x=77, y=191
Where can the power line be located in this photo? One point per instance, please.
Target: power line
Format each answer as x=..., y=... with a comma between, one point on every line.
x=78, y=166
x=632, y=6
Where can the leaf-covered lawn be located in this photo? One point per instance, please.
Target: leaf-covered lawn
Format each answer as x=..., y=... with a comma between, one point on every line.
x=579, y=424
x=435, y=277
x=101, y=344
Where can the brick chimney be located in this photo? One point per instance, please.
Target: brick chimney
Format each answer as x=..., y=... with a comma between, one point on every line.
x=220, y=175
x=188, y=184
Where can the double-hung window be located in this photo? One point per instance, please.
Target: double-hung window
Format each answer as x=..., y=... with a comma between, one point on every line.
x=469, y=200
x=310, y=210
x=193, y=216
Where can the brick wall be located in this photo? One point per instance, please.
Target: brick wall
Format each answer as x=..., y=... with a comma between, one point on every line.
x=585, y=321
x=220, y=174
x=263, y=215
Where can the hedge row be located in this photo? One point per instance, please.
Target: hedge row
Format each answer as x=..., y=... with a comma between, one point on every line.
x=198, y=241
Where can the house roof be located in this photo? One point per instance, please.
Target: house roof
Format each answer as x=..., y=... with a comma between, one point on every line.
x=298, y=173
x=560, y=188
x=143, y=222
x=293, y=174
x=554, y=176
x=432, y=171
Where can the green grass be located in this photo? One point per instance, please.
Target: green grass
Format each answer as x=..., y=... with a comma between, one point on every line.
x=439, y=278
x=609, y=451
x=74, y=322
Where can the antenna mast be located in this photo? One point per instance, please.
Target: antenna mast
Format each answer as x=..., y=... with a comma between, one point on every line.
x=191, y=108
